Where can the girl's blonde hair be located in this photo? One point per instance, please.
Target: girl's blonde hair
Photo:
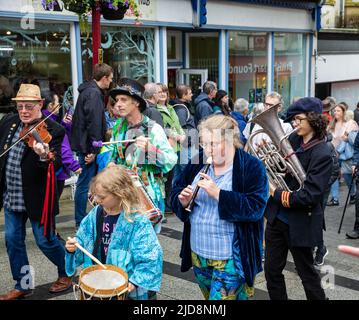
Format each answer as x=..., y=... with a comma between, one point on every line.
x=349, y=115
x=117, y=181
x=225, y=125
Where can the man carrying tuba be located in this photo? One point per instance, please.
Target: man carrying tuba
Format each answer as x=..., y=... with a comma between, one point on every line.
x=295, y=217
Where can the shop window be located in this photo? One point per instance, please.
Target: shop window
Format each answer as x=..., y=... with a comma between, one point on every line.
x=290, y=66
x=203, y=54
x=40, y=56
x=248, y=65
x=174, y=46
x=130, y=51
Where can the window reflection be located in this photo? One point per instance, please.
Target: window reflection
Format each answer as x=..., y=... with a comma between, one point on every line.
x=248, y=65
x=130, y=51
x=40, y=56
x=289, y=68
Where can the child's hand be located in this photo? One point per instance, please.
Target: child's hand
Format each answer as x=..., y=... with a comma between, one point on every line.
x=70, y=244
x=131, y=287
x=78, y=171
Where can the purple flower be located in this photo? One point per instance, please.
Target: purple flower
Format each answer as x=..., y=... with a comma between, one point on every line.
x=48, y=5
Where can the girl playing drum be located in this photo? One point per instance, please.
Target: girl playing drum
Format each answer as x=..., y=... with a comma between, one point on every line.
x=118, y=234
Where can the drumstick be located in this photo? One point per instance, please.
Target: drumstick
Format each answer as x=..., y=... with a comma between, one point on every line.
x=90, y=255
x=99, y=144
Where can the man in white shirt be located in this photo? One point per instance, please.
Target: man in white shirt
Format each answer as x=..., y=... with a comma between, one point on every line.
x=271, y=99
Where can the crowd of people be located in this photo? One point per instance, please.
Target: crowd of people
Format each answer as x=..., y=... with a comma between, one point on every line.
x=191, y=156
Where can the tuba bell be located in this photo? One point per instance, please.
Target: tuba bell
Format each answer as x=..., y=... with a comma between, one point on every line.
x=277, y=155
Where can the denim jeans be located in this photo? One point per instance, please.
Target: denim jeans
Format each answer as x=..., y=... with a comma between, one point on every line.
x=335, y=186
x=15, y=233
x=82, y=187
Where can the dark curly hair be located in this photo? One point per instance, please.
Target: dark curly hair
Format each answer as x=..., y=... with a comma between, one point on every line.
x=319, y=124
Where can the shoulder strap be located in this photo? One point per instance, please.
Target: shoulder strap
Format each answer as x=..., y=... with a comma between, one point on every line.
x=99, y=223
x=183, y=105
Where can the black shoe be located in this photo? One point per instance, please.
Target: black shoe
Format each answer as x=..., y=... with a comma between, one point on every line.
x=333, y=202
x=320, y=256
x=352, y=200
x=353, y=234
x=152, y=295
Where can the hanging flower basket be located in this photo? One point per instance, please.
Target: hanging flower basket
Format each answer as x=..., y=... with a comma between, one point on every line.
x=113, y=13
x=77, y=7
x=51, y=6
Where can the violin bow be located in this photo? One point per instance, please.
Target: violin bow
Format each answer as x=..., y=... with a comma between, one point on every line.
x=29, y=131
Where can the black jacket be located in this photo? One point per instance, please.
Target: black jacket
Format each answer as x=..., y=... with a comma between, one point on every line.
x=306, y=212
x=89, y=122
x=34, y=171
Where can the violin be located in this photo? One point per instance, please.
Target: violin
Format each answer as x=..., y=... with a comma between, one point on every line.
x=36, y=131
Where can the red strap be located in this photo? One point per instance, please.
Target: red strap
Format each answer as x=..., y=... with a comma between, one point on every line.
x=289, y=155
x=49, y=200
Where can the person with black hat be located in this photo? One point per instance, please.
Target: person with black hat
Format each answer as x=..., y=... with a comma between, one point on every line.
x=150, y=152
x=296, y=218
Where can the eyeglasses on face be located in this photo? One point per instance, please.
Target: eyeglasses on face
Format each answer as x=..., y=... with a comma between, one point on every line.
x=26, y=106
x=298, y=119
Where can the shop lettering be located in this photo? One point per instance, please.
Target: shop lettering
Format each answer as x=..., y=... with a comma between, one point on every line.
x=259, y=68
x=144, y=2
x=280, y=67
x=248, y=68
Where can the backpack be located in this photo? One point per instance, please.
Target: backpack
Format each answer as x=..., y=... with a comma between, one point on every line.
x=188, y=112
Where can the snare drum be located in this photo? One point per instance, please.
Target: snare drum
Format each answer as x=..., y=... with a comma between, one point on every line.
x=97, y=283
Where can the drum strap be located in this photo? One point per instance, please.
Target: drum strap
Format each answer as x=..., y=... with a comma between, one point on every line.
x=99, y=223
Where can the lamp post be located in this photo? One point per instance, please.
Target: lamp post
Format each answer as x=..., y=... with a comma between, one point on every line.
x=96, y=33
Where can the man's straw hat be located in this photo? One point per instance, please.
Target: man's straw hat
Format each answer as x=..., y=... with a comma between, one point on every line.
x=28, y=92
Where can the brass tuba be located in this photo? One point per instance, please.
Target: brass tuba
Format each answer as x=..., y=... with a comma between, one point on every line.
x=277, y=155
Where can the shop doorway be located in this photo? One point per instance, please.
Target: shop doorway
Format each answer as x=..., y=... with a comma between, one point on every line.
x=195, y=78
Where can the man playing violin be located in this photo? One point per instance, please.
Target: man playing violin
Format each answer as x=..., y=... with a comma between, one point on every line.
x=26, y=191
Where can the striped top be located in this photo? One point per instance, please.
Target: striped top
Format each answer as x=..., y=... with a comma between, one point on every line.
x=211, y=237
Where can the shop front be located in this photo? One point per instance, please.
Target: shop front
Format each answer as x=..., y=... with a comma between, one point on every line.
x=247, y=47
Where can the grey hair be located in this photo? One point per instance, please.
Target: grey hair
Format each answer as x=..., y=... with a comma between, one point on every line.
x=276, y=95
x=150, y=90
x=240, y=105
x=209, y=86
x=258, y=108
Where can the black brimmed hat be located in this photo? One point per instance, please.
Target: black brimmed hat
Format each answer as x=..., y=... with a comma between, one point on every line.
x=130, y=88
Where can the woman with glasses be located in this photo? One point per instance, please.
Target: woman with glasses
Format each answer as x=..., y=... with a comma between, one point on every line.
x=295, y=218
x=223, y=232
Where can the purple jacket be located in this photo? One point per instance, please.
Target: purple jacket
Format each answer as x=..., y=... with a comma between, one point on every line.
x=55, y=117
x=69, y=163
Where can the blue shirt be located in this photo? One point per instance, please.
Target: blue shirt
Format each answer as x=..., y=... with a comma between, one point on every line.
x=211, y=237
